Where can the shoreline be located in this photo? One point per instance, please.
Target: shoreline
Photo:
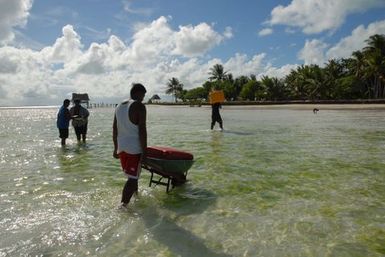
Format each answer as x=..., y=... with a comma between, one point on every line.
x=308, y=107
x=295, y=104
x=283, y=102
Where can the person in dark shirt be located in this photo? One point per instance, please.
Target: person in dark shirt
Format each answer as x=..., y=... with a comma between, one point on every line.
x=63, y=121
x=79, y=116
x=216, y=116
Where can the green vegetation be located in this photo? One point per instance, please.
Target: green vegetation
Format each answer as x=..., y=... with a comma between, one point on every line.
x=362, y=76
x=175, y=88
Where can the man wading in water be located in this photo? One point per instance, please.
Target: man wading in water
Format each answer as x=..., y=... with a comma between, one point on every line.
x=79, y=116
x=130, y=139
x=63, y=121
x=216, y=116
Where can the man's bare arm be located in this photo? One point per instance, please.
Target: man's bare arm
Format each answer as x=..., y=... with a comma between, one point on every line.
x=142, y=127
x=115, y=137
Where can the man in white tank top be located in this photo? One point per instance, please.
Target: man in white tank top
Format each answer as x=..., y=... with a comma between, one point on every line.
x=130, y=139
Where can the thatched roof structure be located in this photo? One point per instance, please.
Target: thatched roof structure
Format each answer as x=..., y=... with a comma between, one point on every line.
x=155, y=97
x=81, y=97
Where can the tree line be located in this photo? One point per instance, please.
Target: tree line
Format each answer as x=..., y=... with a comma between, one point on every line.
x=361, y=76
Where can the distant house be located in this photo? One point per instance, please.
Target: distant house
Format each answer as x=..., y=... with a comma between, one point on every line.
x=82, y=97
x=155, y=99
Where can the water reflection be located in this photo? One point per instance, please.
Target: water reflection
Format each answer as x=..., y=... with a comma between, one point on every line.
x=216, y=141
x=74, y=158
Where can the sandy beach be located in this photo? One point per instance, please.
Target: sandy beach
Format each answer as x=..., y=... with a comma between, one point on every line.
x=311, y=106
x=291, y=106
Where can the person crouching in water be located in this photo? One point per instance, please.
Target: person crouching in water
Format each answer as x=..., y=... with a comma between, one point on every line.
x=216, y=116
x=79, y=120
x=130, y=139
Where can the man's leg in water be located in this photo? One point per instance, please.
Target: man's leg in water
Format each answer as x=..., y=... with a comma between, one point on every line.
x=129, y=189
x=219, y=120
x=84, y=132
x=78, y=133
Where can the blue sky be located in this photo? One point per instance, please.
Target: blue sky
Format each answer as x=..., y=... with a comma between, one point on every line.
x=49, y=48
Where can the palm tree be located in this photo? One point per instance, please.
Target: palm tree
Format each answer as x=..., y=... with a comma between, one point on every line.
x=238, y=84
x=315, y=82
x=306, y=82
x=332, y=72
x=275, y=88
x=253, y=77
x=249, y=90
x=174, y=87
x=375, y=58
x=218, y=73
x=229, y=77
x=357, y=67
x=296, y=81
x=376, y=43
x=357, y=64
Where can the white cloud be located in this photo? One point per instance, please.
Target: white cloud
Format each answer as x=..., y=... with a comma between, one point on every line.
x=29, y=81
x=3, y=93
x=194, y=41
x=315, y=16
x=150, y=41
x=12, y=14
x=313, y=52
x=155, y=53
x=7, y=63
x=65, y=48
x=318, y=52
x=356, y=41
x=127, y=6
x=106, y=70
x=241, y=65
x=279, y=72
x=100, y=58
x=265, y=32
x=159, y=39
x=228, y=32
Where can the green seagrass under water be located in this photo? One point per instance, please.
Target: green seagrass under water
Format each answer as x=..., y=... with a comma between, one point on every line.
x=276, y=182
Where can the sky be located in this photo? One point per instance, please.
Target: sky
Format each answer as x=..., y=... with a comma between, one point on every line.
x=50, y=49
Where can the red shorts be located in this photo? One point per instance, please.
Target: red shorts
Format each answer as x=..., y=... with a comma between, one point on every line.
x=130, y=164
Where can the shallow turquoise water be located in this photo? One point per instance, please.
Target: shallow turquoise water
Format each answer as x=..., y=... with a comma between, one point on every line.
x=276, y=182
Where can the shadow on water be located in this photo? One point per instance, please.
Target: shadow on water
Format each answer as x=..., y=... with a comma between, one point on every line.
x=166, y=231
x=231, y=132
x=238, y=133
